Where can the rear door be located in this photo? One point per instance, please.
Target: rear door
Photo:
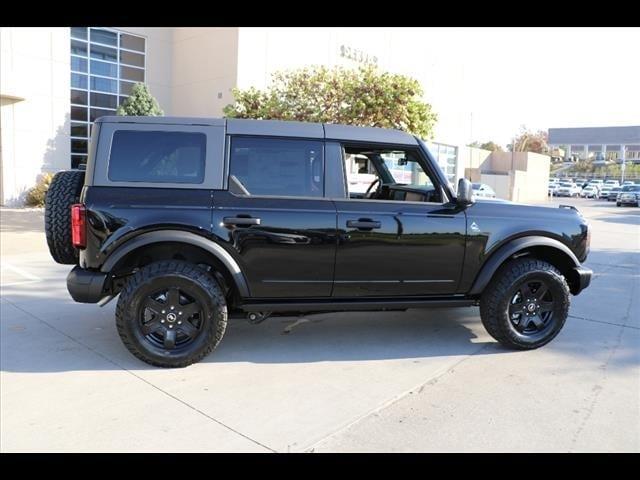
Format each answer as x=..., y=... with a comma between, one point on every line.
x=274, y=217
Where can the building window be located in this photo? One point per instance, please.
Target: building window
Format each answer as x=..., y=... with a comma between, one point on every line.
x=447, y=157
x=105, y=64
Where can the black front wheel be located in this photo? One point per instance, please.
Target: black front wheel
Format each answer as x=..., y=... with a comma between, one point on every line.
x=171, y=314
x=526, y=304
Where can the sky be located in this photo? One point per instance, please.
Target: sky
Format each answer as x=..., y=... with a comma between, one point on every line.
x=502, y=78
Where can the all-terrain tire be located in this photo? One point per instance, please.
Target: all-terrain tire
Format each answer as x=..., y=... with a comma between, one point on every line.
x=191, y=280
x=63, y=192
x=497, y=299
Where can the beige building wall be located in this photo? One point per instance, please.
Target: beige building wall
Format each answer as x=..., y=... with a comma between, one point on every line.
x=34, y=66
x=205, y=63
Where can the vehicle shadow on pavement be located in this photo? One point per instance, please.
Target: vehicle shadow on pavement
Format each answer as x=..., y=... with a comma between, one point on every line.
x=92, y=343
x=627, y=218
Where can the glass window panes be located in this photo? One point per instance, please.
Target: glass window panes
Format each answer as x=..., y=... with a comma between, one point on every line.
x=104, y=36
x=104, y=53
x=104, y=85
x=132, y=43
x=268, y=166
x=79, y=129
x=79, y=97
x=77, y=160
x=130, y=73
x=78, y=48
x=79, y=113
x=96, y=81
x=78, y=81
x=78, y=64
x=130, y=58
x=125, y=88
x=79, y=32
x=104, y=100
x=103, y=68
x=78, y=146
x=157, y=157
x=96, y=113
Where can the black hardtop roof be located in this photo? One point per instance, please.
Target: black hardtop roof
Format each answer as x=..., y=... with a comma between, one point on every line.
x=276, y=128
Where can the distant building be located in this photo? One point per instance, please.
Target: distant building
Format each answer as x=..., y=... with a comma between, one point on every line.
x=600, y=144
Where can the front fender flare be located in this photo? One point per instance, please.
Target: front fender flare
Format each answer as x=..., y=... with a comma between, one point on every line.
x=494, y=262
x=183, y=237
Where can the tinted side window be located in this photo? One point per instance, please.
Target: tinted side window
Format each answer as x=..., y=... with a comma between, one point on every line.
x=271, y=166
x=157, y=157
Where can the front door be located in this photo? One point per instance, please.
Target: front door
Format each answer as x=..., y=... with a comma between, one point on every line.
x=274, y=218
x=401, y=237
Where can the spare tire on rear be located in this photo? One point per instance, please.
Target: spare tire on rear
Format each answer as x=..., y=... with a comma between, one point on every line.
x=63, y=192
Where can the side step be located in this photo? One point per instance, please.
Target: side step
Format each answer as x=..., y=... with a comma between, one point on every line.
x=334, y=305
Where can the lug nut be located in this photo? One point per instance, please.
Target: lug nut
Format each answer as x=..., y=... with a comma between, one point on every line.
x=179, y=322
x=179, y=313
x=161, y=321
x=164, y=311
x=170, y=326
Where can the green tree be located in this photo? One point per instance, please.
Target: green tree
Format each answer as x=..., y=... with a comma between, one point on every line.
x=529, y=141
x=365, y=96
x=140, y=102
x=490, y=145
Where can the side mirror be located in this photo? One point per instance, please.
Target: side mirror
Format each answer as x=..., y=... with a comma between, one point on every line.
x=465, y=192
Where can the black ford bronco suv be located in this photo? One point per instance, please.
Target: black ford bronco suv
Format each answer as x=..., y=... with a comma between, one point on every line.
x=191, y=220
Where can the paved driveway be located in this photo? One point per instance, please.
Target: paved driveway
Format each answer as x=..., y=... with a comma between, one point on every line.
x=429, y=380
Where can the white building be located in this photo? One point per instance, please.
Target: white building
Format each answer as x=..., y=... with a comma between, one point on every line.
x=55, y=81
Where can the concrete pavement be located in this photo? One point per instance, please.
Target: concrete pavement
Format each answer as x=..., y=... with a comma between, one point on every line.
x=421, y=380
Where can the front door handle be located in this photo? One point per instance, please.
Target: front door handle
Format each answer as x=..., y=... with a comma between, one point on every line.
x=363, y=224
x=244, y=221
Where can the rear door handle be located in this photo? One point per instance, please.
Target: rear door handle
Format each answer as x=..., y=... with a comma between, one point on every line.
x=245, y=221
x=363, y=224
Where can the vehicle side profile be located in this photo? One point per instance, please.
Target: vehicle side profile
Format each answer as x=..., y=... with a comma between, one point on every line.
x=190, y=221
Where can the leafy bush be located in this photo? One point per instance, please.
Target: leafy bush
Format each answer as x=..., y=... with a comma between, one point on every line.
x=140, y=102
x=35, y=196
x=365, y=97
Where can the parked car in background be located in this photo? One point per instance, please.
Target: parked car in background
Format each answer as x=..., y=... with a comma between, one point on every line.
x=552, y=188
x=629, y=195
x=590, y=191
x=604, y=191
x=483, y=190
x=597, y=182
x=613, y=193
x=629, y=182
x=567, y=189
x=613, y=183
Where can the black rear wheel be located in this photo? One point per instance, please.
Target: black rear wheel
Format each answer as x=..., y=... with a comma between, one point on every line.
x=171, y=314
x=526, y=304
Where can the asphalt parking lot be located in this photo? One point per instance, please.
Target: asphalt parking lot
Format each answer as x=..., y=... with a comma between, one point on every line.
x=416, y=381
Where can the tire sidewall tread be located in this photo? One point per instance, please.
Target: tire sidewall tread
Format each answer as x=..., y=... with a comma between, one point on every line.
x=495, y=299
x=126, y=312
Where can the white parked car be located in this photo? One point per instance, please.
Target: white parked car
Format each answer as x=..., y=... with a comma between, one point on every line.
x=612, y=183
x=553, y=186
x=590, y=191
x=483, y=190
x=567, y=189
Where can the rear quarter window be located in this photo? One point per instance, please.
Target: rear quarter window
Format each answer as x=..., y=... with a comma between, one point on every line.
x=157, y=157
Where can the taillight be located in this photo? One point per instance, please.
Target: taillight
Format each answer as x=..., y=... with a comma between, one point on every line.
x=78, y=226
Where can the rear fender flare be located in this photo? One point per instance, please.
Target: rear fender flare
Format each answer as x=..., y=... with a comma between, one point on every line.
x=182, y=237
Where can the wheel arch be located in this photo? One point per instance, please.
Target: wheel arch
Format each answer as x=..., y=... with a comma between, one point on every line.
x=177, y=244
x=543, y=248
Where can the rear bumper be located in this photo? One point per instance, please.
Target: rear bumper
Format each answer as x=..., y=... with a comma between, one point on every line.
x=583, y=279
x=86, y=286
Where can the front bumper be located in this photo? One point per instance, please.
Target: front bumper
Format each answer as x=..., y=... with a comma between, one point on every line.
x=86, y=286
x=582, y=279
